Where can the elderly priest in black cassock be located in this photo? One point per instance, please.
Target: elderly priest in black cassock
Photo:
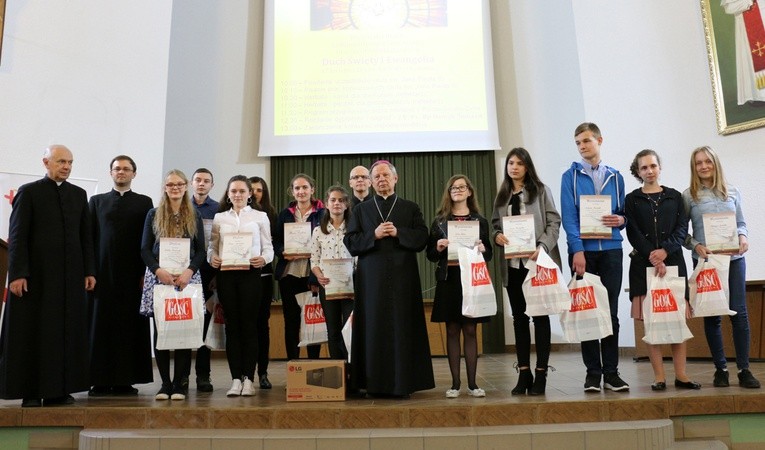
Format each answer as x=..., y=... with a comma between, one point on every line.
x=120, y=341
x=390, y=353
x=44, y=338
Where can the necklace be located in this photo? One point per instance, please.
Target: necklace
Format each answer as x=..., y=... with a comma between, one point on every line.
x=655, y=198
x=385, y=219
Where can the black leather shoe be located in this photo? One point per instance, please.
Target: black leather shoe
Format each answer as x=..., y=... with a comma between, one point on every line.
x=687, y=384
x=659, y=386
x=100, y=391
x=59, y=401
x=31, y=403
x=204, y=384
x=264, y=383
x=124, y=391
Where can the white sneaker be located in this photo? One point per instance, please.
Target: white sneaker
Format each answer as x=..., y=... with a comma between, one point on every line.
x=452, y=393
x=236, y=388
x=477, y=392
x=247, y=388
x=178, y=396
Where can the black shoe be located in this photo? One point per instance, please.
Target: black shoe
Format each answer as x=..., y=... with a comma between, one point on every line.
x=540, y=382
x=204, y=384
x=687, y=384
x=747, y=380
x=124, y=391
x=525, y=380
x=721, y=378
x=614, y=382
x=100, y=391
x=31, y=403
x=659, y=386
x=59, y=401
x=264, y=383
x=592, y=383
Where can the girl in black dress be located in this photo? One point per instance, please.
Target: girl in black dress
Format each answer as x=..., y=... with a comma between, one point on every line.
x=458, y=203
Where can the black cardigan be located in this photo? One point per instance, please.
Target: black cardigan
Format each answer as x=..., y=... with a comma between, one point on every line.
x=438, y=230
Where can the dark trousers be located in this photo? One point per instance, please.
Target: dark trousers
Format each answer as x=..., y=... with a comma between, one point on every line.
x=239, y=293
x=336, y=313
x=290, y=286
x=202, y=361
x=606, y=264
x=542, y=332
x=264, y=313
x=182, y=366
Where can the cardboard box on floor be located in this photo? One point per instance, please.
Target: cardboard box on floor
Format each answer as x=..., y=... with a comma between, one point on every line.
x=315, y=380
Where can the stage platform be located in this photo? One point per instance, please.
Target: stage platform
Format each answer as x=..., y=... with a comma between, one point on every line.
x=565, y=402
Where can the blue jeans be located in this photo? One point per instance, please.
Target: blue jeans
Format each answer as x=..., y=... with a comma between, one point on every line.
x=740, y=322
x=603, y=356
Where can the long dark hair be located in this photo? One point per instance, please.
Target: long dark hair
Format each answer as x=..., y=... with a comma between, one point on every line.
x=225, y=203
x=446, y=198
x=265, y=200
x=531, y=182
x=325, y=217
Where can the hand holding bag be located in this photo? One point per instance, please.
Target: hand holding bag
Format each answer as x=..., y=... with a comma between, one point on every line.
x=216, y=331
x=589, y=315
x=544, y=289
x=708, y=287
x=664, y=311
x=313, y=325
x=478, y=298
x=179, y=316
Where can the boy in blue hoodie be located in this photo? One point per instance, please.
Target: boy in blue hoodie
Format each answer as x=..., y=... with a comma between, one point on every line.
x=601, y=257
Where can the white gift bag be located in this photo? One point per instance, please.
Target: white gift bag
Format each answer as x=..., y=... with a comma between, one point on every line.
x=348, y=335
x=664, y=311
x=589, y=315
x=478, y=298
x=313, y=325
x=179, y=316
x=544, y=289
x=216, y=331
x=708, y=286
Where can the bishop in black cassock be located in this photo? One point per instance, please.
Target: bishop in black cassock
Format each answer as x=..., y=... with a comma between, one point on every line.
x=390, y=353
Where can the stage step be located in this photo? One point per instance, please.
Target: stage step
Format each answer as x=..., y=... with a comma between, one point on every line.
x=638, y=435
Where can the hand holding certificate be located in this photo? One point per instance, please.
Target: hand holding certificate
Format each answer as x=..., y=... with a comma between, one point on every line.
x=721, y=232
x=340, y=274
x=297, y=240
x=592, y=208
x=235, y=251
x=461, y=234
x=174, y=254
x=520, y=235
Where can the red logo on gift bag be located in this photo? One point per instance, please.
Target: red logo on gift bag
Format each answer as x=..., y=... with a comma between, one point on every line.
x=663, y=300
x=545, y=277
x=314, y=314
x=480, y=274
x=218, y=316
x=708, y=281
x=582, y=298
x=178, y=309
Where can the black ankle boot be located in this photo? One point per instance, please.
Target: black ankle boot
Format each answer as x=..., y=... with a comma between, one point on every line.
x=525, y=380
x=540, y=382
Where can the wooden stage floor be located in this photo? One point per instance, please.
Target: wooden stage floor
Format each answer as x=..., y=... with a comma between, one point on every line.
x=565, y=402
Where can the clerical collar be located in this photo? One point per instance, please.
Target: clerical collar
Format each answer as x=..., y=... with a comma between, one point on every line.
x=385, y=198
x=121, y=192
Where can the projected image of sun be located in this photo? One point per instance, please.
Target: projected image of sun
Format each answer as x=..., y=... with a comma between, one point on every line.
x=376, y=14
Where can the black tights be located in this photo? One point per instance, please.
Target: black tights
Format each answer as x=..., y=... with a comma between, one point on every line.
x=182, y=366
x=453, y=330
x=521, y=323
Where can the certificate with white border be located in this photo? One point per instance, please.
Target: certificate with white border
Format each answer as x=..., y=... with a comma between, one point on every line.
x=340, y=274
x=174, y=254
x=592, y=208
x=721, y=232
x=297, y=239
x=461, y=233
x=235, y=251
x=520, y=234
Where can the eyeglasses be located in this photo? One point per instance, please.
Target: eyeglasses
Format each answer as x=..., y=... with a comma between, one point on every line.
x=462, y=188
x=175, y=185
x=359, y=177
x=122, y=169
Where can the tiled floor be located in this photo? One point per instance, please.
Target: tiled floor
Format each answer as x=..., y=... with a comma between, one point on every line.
x=565, y=401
